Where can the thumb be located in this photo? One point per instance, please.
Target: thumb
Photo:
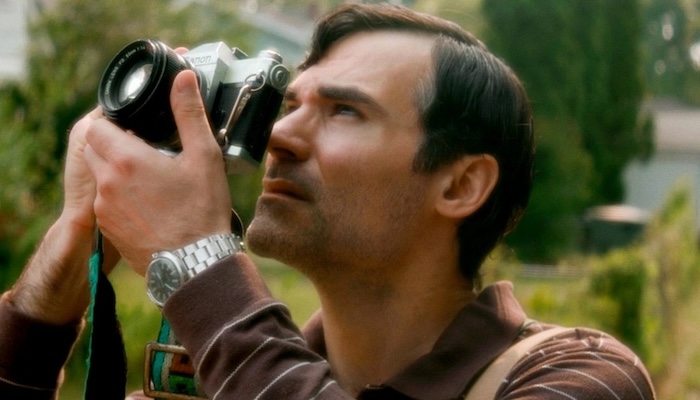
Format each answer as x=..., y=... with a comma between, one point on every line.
x=190, y=115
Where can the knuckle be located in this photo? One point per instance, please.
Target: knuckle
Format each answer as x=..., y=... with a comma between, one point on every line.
x=87, y=129
x=115, y=177
x=106, y=187
x=100, y=209
x=122, y=164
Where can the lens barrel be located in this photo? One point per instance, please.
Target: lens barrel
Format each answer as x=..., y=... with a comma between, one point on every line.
x=135, y=90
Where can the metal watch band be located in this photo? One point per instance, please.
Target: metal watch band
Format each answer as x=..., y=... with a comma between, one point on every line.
x=198, y=256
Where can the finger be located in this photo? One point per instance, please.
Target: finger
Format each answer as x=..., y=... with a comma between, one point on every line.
x=181, y=50
x=84, y=123
x=190, y=116
x=96, y=113
x=95, y=163
x=113, y=143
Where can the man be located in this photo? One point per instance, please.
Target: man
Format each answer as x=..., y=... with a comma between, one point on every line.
x=403, y=156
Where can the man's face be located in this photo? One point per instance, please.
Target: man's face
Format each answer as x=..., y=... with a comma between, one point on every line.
x=339, y=189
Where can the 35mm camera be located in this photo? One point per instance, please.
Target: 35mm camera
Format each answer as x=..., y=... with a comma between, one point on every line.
x=242, y=96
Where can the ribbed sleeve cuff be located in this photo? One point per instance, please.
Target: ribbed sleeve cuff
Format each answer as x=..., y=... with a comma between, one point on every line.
x=32, y=353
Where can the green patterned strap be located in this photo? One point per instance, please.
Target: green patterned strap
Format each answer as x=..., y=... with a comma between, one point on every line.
x=169, y=372
x=106, y=361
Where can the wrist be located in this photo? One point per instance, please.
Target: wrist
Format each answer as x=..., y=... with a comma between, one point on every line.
x=75, y=225
x=54, y=285
x=170, y=269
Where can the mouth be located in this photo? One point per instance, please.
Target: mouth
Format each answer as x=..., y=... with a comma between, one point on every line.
x=283, y=188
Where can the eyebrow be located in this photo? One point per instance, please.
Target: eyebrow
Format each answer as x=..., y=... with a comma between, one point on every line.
x=348, y=94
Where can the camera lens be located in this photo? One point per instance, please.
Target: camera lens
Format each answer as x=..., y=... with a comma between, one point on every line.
x=135, y=90
x=135, y=82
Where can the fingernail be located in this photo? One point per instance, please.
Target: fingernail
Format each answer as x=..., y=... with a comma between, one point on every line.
x=184, y=84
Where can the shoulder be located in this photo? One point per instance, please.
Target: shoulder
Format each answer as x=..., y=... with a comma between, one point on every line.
x=579, y=363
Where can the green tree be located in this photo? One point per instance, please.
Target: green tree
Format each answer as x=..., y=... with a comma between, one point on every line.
x=671, y=28
x=466, y=13
x=580, y=62
x=71, y=43
x=550, y=227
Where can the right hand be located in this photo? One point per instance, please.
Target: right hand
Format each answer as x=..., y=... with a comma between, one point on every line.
x=147, y=201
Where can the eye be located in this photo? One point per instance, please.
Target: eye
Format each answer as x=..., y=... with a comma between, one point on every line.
x=288, y=108
x=346, y=110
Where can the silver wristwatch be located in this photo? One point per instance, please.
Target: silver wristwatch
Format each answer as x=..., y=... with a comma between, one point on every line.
x=169, y=270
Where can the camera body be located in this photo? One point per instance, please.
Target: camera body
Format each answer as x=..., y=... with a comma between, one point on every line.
x=241, y=95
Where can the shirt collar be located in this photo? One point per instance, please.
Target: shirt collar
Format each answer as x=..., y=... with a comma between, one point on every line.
x=481, y=330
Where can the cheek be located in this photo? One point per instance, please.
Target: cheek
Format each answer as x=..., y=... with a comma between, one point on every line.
x=365, y=182
x=340, y=160
x=346, y=160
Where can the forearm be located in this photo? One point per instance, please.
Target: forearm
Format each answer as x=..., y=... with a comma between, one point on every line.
x=53, y=287
x=41, y=316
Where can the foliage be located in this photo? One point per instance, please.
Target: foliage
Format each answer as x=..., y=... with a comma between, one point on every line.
x=580, y=63
x=671, y=246
x=70, y=44
x=671, y=28
x=619, y=282
x=652, y=288
x=562, y=185
x=466, y=13
x=644, y=294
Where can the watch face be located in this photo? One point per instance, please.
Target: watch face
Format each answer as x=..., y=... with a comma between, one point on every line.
x=163, y=277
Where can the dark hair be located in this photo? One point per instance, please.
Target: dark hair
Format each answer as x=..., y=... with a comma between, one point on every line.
x=474, y=105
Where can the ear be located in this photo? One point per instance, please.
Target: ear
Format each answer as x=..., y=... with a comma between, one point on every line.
x=466, y=185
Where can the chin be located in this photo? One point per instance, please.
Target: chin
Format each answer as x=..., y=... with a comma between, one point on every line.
x=292, y=247
x=256, y=236
x=265, y=238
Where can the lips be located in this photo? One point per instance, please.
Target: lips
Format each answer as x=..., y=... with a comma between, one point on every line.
x=285, y=188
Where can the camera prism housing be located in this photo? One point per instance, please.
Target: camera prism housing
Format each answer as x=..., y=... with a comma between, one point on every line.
x=241, y=95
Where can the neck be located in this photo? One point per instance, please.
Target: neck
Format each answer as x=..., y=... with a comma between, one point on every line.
x=378, y=324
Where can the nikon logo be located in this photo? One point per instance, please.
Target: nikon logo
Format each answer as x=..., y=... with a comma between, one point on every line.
x=199, y=60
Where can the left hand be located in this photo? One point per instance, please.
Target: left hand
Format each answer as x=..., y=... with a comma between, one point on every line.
x=147, y=201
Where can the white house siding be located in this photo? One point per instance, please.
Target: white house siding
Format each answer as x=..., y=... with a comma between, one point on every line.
x=13, y=38
x=677, y=158
x=648, y=184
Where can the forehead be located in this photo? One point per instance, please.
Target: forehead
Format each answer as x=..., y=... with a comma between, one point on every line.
x=378, y=63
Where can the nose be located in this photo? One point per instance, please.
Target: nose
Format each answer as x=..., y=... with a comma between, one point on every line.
x=291, y=137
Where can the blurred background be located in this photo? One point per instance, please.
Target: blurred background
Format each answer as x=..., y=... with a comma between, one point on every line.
x=610, y=239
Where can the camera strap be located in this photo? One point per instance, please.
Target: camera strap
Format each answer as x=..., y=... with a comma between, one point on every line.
x=106, y=360
x=168, y=367
x=168, y=371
